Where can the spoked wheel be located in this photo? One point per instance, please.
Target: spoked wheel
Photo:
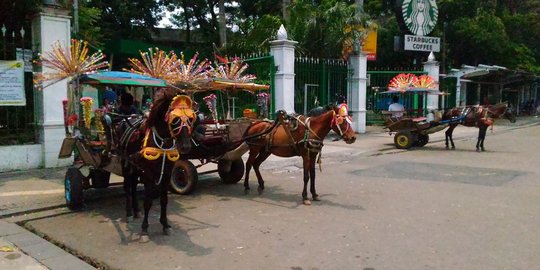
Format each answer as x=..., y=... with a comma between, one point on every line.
x=184, y=177
x=403, y=140
x=73, y=188
x=422, y=140
x=231, y=171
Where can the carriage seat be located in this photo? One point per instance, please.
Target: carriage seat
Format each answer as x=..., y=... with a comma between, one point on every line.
x=419, y=119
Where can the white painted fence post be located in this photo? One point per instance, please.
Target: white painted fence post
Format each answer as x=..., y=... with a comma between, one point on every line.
x=50, y=26
x=432, y=68
x=356, y=97
x=283, y=51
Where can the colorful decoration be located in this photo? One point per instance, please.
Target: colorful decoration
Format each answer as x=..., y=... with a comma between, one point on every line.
x=402, y=82
x=234, y=70
x=211, y=103
x=87, y=111
x=70, y=62
x=98, y=117
x=425, y=81
x=195, y=70
x=263, y=100
x=156, y=64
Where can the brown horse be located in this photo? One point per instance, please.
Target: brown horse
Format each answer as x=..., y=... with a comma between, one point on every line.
x=151, y=152
x=301, y=136
x=476, y=116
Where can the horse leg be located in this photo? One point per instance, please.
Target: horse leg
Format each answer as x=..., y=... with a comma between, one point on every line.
x=258, y=161
x=147, y=205
x=305, y=199
x=449, y=136
x=314, y=194
x=252, y=155
x=163, y=200
x=128, y=185
x=134, y=183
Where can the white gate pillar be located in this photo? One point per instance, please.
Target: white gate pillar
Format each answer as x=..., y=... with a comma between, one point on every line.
x=283, y=51
x=356, y=97
x=432, y=68
x=50, y=26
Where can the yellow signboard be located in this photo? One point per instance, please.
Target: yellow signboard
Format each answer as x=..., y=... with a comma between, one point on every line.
x=370, y=45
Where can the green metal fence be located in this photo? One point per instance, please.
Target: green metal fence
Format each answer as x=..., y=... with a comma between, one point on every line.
x=376, y=102
x=17, y=123
x=319, y=82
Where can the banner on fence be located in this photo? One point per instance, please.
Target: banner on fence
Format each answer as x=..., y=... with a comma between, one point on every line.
x=12, y=83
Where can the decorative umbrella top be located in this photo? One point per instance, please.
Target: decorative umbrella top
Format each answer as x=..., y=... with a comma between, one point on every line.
x=72, y=61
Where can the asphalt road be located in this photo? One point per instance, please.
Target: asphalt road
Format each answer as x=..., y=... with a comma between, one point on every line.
x=428, y=208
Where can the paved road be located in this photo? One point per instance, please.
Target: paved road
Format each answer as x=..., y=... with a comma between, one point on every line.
x=428, y=208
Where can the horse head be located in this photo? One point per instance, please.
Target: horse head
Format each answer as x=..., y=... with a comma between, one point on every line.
x=181, y=120
x=502, y=110
x=342, y=123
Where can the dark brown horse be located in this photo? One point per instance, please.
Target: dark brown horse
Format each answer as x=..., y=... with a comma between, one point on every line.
x=476, y=116
x=301, y=136
x=151, y=152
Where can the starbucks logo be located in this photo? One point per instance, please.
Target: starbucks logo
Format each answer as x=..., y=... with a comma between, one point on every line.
x=420, y=16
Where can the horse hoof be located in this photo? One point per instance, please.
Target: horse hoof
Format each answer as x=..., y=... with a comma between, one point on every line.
x=246, y=191
x=316, y=198
x=447, y=148
x=260, y=190
x=167, y=231
x=144, y=238
x=453, y=148
x=137, y=214
x=483, y=149
x=307, y=202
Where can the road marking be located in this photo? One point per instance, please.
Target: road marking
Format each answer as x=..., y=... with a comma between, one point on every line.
x=31, y=192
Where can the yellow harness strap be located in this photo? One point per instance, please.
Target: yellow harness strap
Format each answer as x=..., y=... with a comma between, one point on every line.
x=153, y=153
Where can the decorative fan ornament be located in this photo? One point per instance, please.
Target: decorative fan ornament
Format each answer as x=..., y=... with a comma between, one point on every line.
x=425, y=82
x=70, y=62
x=195, y=70
x=156, y=64
x=402, y=82
x=234, y=70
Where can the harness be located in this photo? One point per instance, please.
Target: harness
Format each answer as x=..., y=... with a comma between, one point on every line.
x=153, y=153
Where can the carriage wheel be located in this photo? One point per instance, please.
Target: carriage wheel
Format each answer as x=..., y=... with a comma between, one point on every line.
x=422, y=140
x=73, y=188
x=403, y=140
x=232, y=174
x=184, y=177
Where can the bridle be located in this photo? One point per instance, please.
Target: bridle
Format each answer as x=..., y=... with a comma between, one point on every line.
x=340, y=117
x=180, y=107
x=180, y=115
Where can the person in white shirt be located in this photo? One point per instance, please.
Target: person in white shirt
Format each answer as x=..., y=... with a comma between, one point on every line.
x=396, y=108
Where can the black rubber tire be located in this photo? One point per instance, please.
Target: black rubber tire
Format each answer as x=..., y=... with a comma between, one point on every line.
x=73, y=189
x=235, y=173
x=100, y=178
x=184, y=177
x=403, y=140
x=422, y=140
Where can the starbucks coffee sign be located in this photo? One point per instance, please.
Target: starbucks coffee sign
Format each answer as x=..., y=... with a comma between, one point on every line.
x=419, y=16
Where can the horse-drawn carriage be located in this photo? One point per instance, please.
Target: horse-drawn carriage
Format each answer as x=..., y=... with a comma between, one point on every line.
x=106, y=142
x=413, y=130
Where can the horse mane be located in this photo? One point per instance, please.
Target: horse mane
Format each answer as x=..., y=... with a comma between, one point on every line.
x=160, y=106
x=319, y=111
